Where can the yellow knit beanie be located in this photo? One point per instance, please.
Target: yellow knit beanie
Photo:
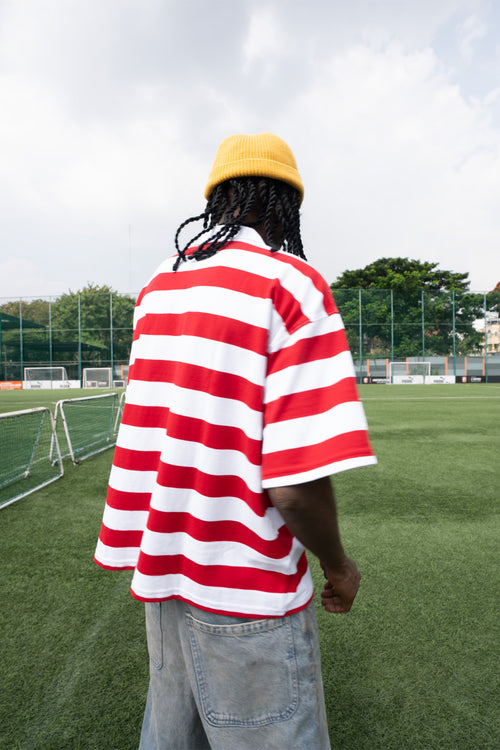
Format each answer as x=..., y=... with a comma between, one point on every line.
x=261, y=155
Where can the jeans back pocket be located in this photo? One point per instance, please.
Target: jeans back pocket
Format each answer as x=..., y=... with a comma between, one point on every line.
x=247, y=673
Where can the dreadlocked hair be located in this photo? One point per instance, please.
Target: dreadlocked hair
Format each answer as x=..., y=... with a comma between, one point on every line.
x=275, y=204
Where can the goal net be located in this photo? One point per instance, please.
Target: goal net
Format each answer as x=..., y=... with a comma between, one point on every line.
x=89, y=424
x=409, y=372
x=97, y=377
x=29, y=455
x=45, y=373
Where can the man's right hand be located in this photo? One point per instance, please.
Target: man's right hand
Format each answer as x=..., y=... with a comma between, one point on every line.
x=341, y=587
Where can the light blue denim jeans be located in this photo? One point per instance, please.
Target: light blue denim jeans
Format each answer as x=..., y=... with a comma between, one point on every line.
x=229, y=683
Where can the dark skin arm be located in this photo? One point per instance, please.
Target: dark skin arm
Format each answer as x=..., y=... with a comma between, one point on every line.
x=310, y=513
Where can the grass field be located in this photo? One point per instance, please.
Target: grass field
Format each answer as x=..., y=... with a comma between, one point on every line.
x=415, y=663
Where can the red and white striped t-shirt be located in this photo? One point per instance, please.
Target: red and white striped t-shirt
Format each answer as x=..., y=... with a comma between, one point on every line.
x=240, y=380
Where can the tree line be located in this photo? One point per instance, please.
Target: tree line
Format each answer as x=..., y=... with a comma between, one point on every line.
x=406, y=307
x=401, y=302
x=84, y=320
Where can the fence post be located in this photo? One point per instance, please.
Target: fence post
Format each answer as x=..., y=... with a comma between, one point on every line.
x=111, y=353
x=485, y=340
x=423, y=326
x=360, y=340
x=392, y=325
x=21, y=357
x=454, y=334
x=50, y=338
x=80, y=339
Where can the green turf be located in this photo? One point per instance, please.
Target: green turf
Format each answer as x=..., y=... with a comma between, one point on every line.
x=414, y=665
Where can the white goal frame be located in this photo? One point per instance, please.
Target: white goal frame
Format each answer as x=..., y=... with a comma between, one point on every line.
x=54, y=455
x=98, y=444
x=97, y=377
x=38, y=373
x=414, y=372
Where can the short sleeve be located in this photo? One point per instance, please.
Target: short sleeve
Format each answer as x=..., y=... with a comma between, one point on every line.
x=314, y=422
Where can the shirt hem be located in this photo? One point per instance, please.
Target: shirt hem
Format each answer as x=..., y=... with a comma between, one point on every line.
x=318, y=472
x=114, y=566
x=219, y=611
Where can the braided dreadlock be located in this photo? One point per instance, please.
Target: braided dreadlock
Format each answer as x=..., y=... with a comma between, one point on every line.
x=247, y=201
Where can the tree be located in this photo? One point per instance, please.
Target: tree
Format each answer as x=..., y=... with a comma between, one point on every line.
x=409, y=308
x=101, y=312
x=37, y=311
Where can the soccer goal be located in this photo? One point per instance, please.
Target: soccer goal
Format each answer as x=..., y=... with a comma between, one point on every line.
x=45, y=373
x=29, y=457
x=409, y=373
x=88, y=424
x=47, y=377
x=97, y=377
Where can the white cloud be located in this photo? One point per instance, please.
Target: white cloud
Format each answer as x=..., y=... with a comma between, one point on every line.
x=265, y=43
x=469, y=32
x=398, y=163
x=111, y=115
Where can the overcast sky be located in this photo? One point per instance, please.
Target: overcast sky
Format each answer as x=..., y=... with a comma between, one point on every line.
x=111, y=112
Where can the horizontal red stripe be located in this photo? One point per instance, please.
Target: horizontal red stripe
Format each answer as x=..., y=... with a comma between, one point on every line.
x=299, y=265
x=120, y=538
x=120, y=500
x=136, y=460
x=145, y=416
x=207, y=326
x=197, y=378
x=183, y=477
x=197, y=276
x=220, y=531
x=222, y=576
x=222, y=277
x=221, y=437
x=307, y=350
x=353, y=444
x=311, y=402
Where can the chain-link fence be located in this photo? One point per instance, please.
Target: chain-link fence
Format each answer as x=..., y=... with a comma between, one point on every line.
x=74, y=332
x=458, y=333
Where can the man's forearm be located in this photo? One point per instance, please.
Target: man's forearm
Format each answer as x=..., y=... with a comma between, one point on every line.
x=310, y=513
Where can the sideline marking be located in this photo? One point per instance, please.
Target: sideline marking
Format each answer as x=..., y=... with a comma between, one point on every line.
x=429, y=398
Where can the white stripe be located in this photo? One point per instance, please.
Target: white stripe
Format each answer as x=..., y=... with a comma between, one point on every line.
x=140, y=439
x=234, y=305
x=213, y=461
x=231, y=553
x=195, y=350
x=180, y=500
x=319, y=373
x=128, y=480
x=304, y=431
x=320, y=327
x=274, y=265
x=320, y=472
x=197, y=404
x=116, y=557
x=125, y=520
x=243, y=601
